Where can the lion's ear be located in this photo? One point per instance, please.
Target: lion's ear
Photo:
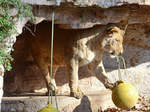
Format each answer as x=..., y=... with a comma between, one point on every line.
x=114, y=30
x=111, y=30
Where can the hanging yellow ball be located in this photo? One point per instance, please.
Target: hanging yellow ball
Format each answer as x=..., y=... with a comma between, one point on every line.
x=48, y=108
x=125, y=95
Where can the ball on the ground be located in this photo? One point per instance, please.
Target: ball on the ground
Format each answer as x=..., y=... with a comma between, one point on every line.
x=48, y=108
x=125, y=95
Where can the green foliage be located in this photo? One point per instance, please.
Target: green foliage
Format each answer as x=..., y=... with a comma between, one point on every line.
x=5, y=59
x=7, y=25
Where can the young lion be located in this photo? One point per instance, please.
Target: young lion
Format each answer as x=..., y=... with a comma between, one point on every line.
x=74, y=48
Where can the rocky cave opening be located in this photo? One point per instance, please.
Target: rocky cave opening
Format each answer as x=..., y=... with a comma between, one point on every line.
x=25, y=78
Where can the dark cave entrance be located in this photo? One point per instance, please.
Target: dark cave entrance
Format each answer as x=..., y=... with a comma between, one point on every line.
x=25, y=78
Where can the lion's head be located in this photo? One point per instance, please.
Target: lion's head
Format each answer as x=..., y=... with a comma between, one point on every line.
x=112, y=42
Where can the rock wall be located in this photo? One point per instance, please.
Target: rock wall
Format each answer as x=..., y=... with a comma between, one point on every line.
x=1, y=83
x=9, y=41
x=81, y=3
x=79, y=17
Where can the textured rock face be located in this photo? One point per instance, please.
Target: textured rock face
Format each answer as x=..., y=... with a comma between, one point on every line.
x=84, y=14
x=81, y=3
x=77, y=18
x=9, y=41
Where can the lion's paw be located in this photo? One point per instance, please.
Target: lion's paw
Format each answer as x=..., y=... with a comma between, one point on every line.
x=77, y=94
x=109, y=85
x=53, y=92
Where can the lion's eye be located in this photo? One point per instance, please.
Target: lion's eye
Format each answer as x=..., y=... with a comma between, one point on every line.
x=118, y=40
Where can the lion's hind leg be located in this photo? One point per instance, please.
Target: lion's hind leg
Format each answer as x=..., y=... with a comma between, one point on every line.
x=52, y=83
x=44, y=68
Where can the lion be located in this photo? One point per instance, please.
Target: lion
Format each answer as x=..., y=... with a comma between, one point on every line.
x=74, y=48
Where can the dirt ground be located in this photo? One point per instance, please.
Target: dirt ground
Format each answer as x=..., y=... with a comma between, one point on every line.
x=143, y=105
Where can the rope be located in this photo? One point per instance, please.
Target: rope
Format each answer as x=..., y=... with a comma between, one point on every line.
x=52, y=42
x=124, y=66
x=50, y=98
x=119, y=72
x=51, y=65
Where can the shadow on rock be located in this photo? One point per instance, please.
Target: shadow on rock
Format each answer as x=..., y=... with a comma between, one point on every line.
x=85, y=105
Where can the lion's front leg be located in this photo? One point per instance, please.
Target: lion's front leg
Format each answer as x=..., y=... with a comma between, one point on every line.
x=96, y=68
x=73, y=79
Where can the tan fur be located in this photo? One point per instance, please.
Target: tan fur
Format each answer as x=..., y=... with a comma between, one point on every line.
x=74, y=48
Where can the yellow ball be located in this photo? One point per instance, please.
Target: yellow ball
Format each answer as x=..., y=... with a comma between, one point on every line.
x=124, y=95
x=49, y=108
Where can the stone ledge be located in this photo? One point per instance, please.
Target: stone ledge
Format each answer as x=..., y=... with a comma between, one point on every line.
x=87, y=3
x=90, y=102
